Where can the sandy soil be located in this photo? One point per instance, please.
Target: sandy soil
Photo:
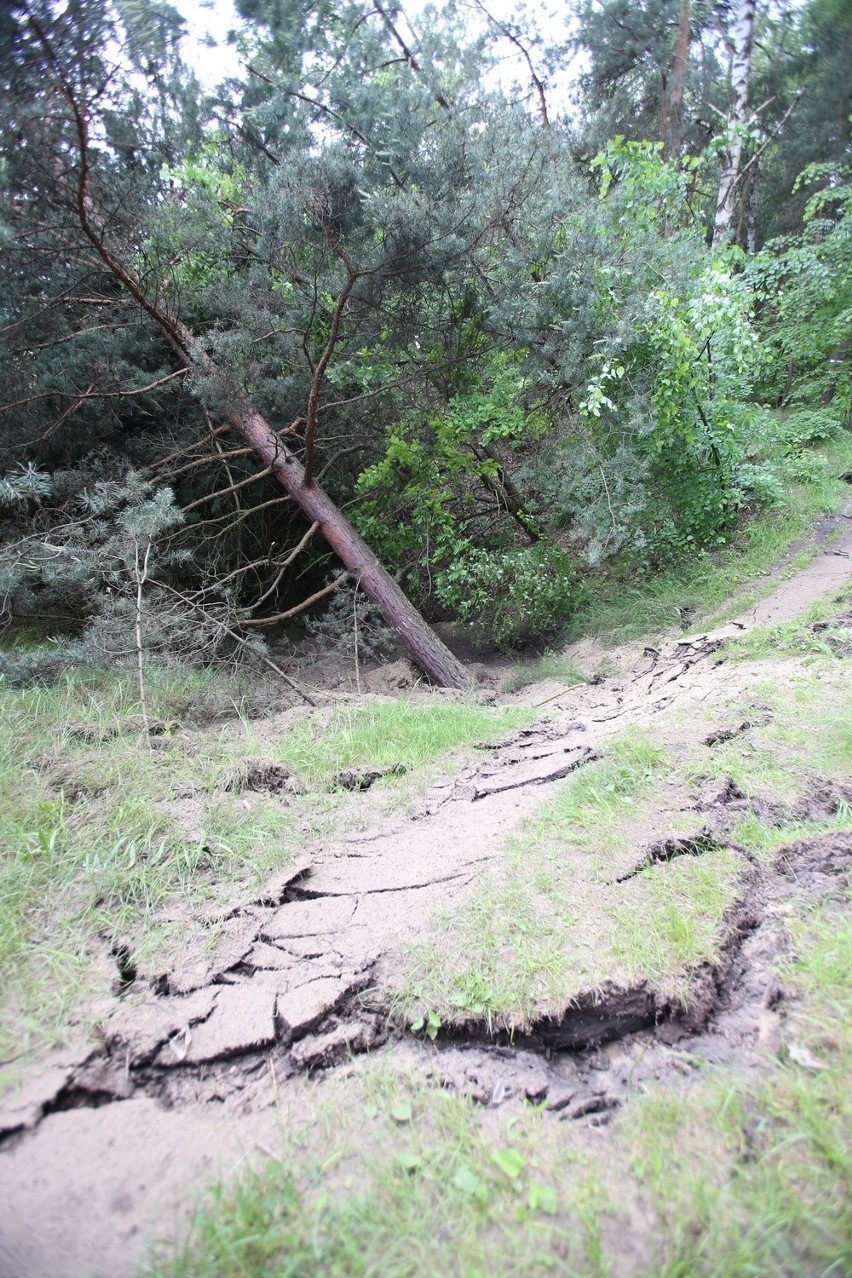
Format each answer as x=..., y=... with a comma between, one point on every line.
x=103, y=1148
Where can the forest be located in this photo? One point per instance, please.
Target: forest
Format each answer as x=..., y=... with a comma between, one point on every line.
x=368, y=321
x=425, y=583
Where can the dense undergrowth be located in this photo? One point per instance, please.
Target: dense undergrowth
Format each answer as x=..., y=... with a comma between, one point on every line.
x=708, y=586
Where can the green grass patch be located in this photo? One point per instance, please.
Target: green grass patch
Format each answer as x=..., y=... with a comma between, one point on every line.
x=753, y=1177
x=407, y=1184
x=549, y=666
x=810, y=634
x=807, y=733
x=764, y=840
x=677, y=917
x=596, y=800
x=730, y=1174
x=382, y=733
x=553, y=919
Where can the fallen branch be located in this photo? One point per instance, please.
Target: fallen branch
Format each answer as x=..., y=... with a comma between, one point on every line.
x=302, y=607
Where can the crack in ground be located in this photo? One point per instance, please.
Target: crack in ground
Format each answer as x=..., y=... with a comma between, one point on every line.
x=629, y=1034
x=284, y=880
x=587, y=755
x=721, y=735
x=664, y=850
x=309, y=894
x=125, y=965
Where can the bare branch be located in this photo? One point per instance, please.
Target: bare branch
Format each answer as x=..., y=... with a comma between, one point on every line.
x=285, y=565
x=409, y=56
x=322, y=363
x=513, y=39
x=302, y=607
x=240, y=640
x=232, y=488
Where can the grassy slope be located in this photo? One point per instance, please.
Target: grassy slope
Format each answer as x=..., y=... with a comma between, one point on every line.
x=105, y=840
x=728, y=1177
x=554, y=919
x=714, y=585
x=732, y=1175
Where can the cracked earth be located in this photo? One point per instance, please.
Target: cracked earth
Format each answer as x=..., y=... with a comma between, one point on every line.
x=106, y=1144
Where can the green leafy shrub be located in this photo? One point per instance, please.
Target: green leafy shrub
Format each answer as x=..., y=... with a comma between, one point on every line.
x=806, y=468
x=810, y=426
x=433, y=490
x=520, y=596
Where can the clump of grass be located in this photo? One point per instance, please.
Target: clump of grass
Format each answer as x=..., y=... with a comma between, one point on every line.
x=764, y=840
x=548, y=666
x=792, y=638
x=798, y=637
x=599, y=796
x=676, y=918
x=752, y=1177
x=807, y=735
x=382, y=733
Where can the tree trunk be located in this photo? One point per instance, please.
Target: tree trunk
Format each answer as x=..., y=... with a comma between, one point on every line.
x=426, y=649
x=673, y=101
x=738, y=118
x=503, y=488
x=751, y=213
x=416, y=636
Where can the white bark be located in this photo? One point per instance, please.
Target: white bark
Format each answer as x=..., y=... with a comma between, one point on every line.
x=140, y=571
x=742, y=39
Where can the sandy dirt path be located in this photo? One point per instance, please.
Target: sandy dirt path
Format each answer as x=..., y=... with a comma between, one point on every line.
x=103, y=1148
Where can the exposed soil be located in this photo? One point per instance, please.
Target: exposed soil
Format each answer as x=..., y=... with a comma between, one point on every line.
x=103, y=1146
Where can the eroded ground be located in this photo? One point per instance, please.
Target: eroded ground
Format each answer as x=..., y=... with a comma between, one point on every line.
x=502, y=1012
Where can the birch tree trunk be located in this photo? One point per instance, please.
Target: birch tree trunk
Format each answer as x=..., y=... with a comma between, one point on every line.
x=742, y=39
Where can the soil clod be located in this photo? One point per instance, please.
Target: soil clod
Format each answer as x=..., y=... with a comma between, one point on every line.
x=362, y=778
x=264, y=776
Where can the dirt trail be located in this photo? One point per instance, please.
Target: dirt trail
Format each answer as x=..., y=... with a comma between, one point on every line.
x=104, y=1146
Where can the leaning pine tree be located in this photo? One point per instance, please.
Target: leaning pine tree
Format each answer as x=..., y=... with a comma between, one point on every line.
x=74, y=190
